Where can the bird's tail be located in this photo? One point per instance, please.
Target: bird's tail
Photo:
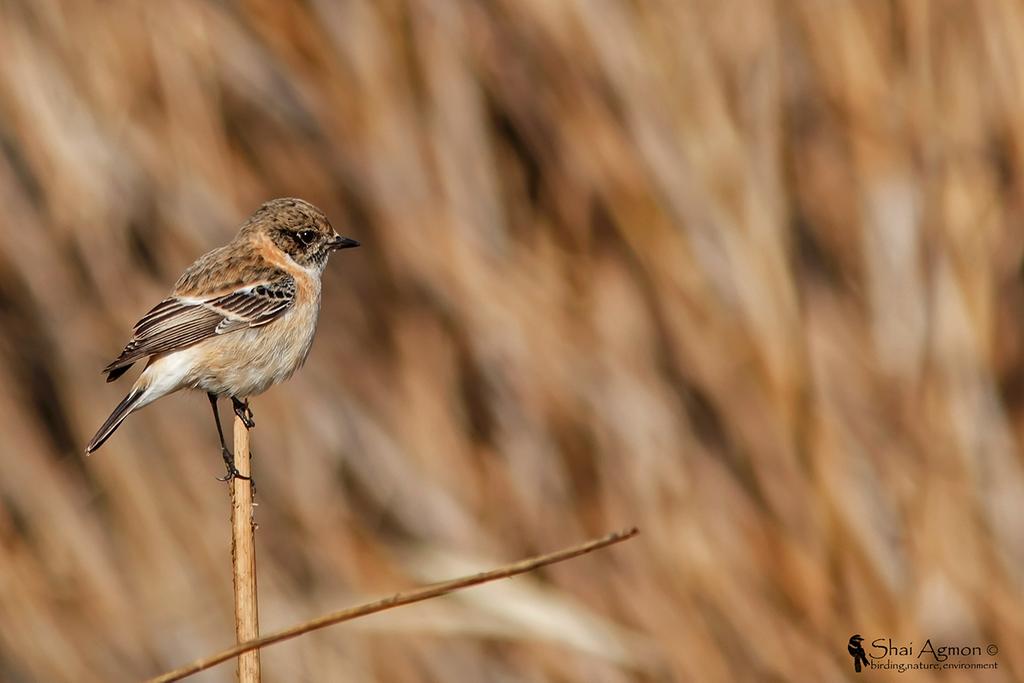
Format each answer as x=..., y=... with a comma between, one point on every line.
x=126, y=406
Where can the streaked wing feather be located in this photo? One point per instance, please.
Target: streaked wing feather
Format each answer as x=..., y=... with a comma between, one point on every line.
x=258, y=305
x=176, y=323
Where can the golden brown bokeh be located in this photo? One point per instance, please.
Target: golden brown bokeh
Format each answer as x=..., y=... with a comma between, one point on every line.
x=744, y=274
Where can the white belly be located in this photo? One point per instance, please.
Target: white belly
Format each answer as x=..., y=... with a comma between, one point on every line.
x=250, y=361
x=241, y=363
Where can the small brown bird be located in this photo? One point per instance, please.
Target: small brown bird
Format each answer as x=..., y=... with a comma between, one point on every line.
x=240, y=319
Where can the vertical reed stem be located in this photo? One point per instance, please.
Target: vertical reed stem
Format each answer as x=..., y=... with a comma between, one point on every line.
x=243, y=559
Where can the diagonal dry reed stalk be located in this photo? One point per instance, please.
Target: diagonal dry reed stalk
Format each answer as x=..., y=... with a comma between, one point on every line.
x=396, y=600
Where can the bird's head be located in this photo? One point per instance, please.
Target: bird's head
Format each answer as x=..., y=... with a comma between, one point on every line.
x=299, y=229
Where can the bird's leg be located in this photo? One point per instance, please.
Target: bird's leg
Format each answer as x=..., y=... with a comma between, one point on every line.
x=246, y=415
x=243, y=412
x=216, y=419
x=229, y=457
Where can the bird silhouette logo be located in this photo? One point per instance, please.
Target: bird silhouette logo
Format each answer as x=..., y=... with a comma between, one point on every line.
x=856, y=651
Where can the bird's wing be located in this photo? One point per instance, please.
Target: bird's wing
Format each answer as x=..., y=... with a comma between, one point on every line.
x=180, y=321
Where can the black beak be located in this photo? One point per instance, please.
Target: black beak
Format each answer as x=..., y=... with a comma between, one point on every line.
x=340, y=242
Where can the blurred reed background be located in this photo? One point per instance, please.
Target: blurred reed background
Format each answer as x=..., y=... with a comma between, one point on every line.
x=745, y=274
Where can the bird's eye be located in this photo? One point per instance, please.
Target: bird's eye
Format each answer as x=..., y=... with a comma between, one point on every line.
x=307, y=236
